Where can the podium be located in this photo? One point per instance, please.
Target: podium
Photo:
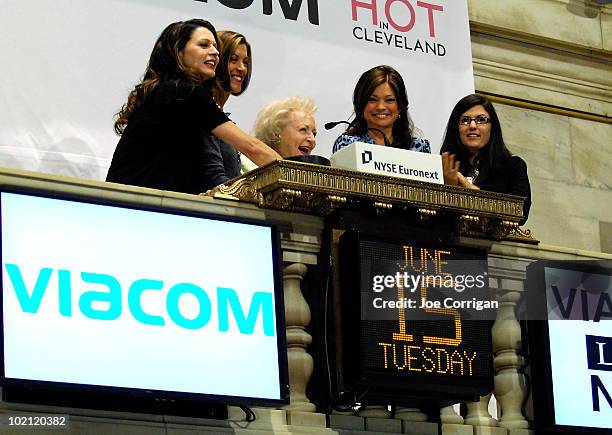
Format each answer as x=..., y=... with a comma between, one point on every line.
x=378, y=204
x=320, y=190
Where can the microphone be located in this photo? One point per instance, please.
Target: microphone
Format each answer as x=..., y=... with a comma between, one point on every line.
x=330, y=125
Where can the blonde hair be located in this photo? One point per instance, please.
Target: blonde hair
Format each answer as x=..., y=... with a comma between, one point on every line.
x=274, y=117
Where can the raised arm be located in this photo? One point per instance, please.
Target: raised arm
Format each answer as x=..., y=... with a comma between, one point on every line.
x=253, y=148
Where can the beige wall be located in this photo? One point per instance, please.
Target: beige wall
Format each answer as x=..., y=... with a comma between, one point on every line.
x=558, y=55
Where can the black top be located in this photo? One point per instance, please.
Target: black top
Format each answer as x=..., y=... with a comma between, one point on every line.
x=163, y=145
x=513, y=181
x=221, y=163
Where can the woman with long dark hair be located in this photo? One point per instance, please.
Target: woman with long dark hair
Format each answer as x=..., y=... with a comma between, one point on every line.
x=380, y=102
x=475, y=156
x=233, y=76
x=171, y=110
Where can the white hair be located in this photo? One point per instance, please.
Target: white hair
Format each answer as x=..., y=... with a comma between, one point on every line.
x=274, y=116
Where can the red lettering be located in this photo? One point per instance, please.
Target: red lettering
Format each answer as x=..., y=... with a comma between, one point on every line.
x=396, y=26
x=371, y=6
x=361, y=4
x=430, y=11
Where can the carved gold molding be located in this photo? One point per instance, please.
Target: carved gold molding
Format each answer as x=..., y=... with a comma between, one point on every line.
x=302, y=187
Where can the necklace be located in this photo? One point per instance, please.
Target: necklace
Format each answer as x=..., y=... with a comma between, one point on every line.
x=473, y=174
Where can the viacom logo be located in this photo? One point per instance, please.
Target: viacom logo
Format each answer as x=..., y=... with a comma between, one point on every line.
x=89, y=302
x=290, y=8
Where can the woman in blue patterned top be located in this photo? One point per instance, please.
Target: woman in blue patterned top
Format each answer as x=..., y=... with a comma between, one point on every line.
x=380, y=102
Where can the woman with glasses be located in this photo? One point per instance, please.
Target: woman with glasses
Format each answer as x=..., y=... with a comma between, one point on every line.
x=474, y=154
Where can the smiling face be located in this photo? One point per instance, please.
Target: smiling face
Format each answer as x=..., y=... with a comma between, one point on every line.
x=475, y=137
x=238, y=67
x=200, y=55
x=381, y=110
x=298, y=136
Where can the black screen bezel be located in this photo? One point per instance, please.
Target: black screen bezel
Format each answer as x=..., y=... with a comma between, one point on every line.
x=386, y=385
x=539, y=348
x=145, y=400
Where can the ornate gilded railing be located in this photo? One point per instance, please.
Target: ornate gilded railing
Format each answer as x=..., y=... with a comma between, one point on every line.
x=293, y=186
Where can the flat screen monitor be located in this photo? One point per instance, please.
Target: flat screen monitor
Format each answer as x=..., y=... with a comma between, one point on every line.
x=570, y=346
x=107, y=298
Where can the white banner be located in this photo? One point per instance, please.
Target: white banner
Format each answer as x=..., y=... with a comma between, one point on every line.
x=68, y=65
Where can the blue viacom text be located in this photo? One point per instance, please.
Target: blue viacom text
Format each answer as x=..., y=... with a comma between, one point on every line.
x=229, y=302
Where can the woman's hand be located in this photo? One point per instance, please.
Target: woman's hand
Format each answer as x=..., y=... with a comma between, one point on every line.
x=450, y=169
x=464, y=182
x=256, y=150
x=452, y=176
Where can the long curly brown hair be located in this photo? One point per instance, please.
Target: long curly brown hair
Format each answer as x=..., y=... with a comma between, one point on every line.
x=165, y=64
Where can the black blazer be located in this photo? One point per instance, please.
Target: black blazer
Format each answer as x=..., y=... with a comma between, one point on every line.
x=513, y=181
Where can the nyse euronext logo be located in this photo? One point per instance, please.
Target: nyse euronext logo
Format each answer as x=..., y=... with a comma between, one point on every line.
x=228, y=300
x=290, y=8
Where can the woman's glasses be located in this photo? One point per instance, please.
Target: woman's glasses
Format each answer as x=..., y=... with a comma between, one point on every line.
x=480, y=120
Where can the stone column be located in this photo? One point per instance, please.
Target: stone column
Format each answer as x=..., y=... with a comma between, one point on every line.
x=510, y=385
x=297, y=317
x=449, y=416
x=300, y=248
x=300, y=244
x=478, y=413
x=453, y=423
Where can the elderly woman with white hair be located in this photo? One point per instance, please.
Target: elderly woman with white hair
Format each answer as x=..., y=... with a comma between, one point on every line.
x=288, y=126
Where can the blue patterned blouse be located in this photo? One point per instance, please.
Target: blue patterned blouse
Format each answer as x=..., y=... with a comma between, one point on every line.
x=418, y=144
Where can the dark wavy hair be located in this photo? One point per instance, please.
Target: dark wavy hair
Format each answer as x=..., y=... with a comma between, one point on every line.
x=164, y=65
x=403, y=128
x=229, y=43
x=494, y=154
